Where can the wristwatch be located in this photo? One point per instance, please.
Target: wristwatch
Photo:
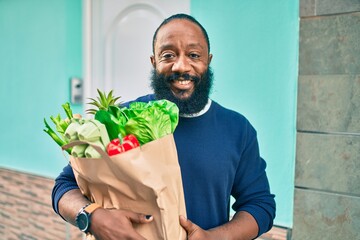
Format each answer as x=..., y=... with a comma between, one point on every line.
x=83, y=216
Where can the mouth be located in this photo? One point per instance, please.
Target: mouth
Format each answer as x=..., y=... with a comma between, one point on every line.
x=182, y=88
x=182, y=83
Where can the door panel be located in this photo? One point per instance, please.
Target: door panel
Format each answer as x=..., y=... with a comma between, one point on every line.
x=120, y=44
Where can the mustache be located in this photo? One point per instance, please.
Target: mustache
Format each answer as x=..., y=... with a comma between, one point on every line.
x=185, y=76
x=161, y=85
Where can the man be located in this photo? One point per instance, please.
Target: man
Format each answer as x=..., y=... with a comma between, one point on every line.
x=217, y=150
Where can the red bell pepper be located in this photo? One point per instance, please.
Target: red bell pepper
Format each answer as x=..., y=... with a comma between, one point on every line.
x=119, y=145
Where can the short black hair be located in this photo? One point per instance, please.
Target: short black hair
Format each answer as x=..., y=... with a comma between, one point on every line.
x=181, y=16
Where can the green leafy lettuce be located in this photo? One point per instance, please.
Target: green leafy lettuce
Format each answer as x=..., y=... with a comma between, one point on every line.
x=146, y=121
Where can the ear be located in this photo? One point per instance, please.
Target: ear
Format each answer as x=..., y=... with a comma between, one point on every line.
x=152, y=59
x=209, y=59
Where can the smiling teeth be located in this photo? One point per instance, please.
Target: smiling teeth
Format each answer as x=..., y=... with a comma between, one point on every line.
x=184, y=82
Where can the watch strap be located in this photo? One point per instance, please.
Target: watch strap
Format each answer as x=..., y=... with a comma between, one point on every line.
x=85, y=212
x=90, y=208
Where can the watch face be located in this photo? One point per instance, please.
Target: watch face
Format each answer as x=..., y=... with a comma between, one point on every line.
x=83, y=221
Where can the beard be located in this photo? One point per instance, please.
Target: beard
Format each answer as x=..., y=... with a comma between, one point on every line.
x=193, y=104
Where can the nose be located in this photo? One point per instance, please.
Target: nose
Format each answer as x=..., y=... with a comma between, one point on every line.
x=181, y=65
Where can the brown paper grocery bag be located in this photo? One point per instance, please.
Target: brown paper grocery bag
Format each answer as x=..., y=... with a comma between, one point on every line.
x=145, y=180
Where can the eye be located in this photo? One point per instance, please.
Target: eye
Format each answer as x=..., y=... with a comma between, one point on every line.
x=167, y=55
x=194, y=55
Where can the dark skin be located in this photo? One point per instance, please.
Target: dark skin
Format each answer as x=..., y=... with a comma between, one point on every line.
x=180, y=47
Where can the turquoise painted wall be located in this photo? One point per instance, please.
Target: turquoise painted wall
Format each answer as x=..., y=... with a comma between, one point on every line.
x=40, y=49
x=255, y=62
x=254, y=43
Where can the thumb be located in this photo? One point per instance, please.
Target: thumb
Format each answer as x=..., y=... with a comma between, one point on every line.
x=189, y=226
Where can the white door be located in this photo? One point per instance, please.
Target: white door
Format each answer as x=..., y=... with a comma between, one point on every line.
x=118, y=43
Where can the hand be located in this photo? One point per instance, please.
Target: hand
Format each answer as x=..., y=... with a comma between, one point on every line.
x=194, y=232
x=242, y=226
x=111, y=224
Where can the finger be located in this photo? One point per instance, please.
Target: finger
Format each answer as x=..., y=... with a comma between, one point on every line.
x=140, y=218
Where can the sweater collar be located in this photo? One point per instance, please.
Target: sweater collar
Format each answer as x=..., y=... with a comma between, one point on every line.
x=203, y=111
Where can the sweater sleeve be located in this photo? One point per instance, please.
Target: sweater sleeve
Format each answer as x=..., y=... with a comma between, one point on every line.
x=251, y=189
x=63, y=183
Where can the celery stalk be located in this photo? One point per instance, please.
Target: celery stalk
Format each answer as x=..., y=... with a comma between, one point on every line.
x=61, y=124
x=68, y=111
x=54, y=136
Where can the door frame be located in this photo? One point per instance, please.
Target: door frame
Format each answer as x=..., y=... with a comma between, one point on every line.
x=89, y=56
x=87, y=50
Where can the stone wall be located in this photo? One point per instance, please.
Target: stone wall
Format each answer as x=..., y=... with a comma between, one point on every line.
x=327, y=179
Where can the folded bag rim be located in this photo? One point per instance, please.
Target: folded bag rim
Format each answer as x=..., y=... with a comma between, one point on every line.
x=81, y=164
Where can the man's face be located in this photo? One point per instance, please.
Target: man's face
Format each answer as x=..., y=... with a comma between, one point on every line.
x=181, y=61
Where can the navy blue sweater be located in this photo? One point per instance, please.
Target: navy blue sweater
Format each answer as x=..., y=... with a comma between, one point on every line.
x=219, y=157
